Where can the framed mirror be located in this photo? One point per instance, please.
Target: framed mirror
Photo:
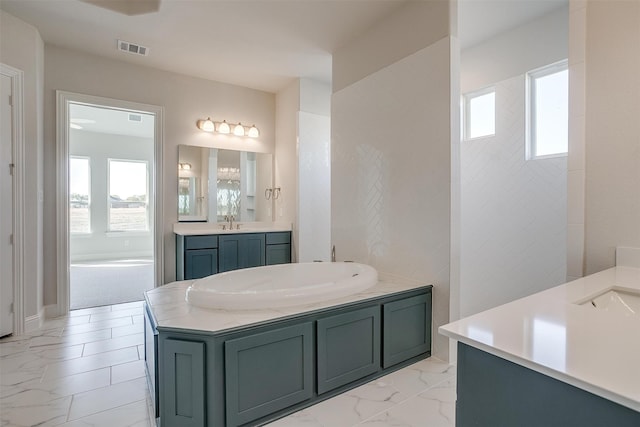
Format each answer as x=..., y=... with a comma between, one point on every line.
x=213, y=183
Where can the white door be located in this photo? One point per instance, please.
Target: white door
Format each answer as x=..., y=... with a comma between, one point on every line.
x=6, y=210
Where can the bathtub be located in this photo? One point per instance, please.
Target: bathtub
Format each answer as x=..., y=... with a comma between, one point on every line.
x=282, y=285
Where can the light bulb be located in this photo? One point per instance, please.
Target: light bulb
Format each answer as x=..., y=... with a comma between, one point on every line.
x=224, y=127
x=207, y=125
x=238, y=130
x=254, y=132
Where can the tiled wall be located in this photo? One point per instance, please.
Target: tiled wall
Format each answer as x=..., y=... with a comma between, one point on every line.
x=513, y=233
x=612, y=130
x=391, y=173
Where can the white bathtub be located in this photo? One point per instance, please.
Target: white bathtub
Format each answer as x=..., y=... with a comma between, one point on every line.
x=282, y=285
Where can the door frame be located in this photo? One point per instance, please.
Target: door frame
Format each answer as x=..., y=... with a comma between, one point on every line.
x=63, y=100
x=17, y=153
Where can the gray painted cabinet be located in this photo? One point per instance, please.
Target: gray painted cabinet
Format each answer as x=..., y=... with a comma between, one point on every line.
x=407, y=329
x=203, y=255
x=257, y=373
x=282, y=358
x=348, y=347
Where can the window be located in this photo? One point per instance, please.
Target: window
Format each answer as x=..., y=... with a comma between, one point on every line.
x=79, y=192
x=548, y=119
x=128, y=195
x=480, y=114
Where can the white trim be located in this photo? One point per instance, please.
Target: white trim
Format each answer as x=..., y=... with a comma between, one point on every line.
x=17, y=89
x=466, y=113
x=62, y=118
x=33, y=323
x=530, y=103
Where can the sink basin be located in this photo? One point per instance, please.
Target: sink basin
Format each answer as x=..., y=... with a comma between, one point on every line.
x=615, y=300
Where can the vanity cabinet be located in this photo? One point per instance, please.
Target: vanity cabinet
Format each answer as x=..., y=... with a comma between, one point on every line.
x=278, y=249
x=203, y=255
x=253, y=374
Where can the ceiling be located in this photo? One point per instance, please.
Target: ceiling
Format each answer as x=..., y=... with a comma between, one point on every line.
x=261, y=44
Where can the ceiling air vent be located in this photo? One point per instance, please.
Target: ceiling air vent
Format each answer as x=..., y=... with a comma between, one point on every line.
x=135, y=118
x=136, y=49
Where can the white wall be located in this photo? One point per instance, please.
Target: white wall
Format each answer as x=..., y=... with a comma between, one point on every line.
x=612, y=106
x=314, y=171
x=391, y=158
x=21, y=47
x=101, y=244
x=185, y=100
x=302, y=167
x=513, y=211
x=526, y=47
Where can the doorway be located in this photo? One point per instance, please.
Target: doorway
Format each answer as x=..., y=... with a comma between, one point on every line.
x=11, y=201
x=111, y=165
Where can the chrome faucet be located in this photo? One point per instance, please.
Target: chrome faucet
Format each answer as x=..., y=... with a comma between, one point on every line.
x=229, y=218
x=333, y=253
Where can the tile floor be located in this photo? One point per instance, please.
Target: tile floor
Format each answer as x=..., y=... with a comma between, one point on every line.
x=87, y=369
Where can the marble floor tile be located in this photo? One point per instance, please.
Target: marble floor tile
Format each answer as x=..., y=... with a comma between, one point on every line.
x=73, y=384
x=131, y=415
x=127, y=305
x=30, y=414
x=95, y=401
x=127, y=371
x=122, y=331
x=419, y=376
x=434, y=408
x=116, y=314
x=91, y=310
x=113, y=344
x=96, y=326
x=70, y=340
x=66, y=321
x=90, y=363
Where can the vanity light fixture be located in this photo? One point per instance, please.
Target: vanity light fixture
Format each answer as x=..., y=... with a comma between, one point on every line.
x=184, y=166
x=253, y=132
x=238, y=130
x=207, y=125
x=226, y=128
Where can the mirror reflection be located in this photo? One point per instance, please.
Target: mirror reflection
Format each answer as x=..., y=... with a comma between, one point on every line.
x=214, y=183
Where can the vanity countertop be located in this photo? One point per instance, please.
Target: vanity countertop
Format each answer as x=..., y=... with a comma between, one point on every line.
x=171, y=311
x=199, y=228
x=588, y=347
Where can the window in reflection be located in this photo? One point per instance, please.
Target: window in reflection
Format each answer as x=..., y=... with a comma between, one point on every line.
x=549, y=344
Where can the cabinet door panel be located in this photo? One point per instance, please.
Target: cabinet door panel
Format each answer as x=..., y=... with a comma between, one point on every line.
x=183, y=389
x=229, y=253
x=200, y=263
x=407, y=329
x=281, y=359
x=278, y=254
x=253, y=250
x=348, y=347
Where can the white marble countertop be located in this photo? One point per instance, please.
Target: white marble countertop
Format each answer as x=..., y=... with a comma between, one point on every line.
x=170, y=309
x=587, y=347
x=199, y=228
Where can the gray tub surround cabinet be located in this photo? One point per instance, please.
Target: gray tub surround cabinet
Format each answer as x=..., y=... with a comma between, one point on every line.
x=203, y=249
x=552, y=359
x=243, y=368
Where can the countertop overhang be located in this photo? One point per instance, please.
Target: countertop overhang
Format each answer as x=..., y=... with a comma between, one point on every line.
x=171, y=311
x=551, y=333
x=200, y=228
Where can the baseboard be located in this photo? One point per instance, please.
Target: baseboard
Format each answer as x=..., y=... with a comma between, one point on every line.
x=51, y=311
x=33, y=323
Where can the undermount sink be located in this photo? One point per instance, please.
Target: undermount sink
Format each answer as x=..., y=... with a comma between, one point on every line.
x=615, y=300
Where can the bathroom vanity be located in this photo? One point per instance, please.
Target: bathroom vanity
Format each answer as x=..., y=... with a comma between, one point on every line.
x=240, y=368
x=567, y=356
x=203, y=249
